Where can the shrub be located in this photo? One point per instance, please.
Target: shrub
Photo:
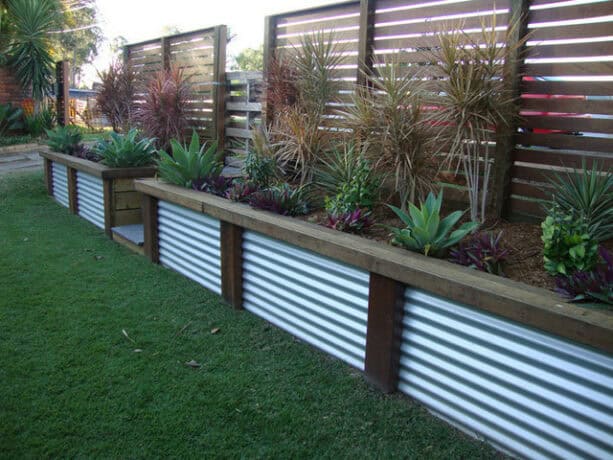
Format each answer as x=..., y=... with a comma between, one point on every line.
x=356, y=221
x=425, y=232
x=260, y=164
x=587, y=194
x=482, y=252
x=116, y=95
x=37, y=123
x=568, y=245
x=163, y=113
x=189, y=163
x=596, y=285
x=64, y=139
x=240, y=191
x=125, y=151
x=214, y=184
x=281, y=199
x=11, y=118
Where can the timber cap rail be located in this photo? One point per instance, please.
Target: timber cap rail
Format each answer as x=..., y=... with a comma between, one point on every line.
x=517, y=301
x=97, y=169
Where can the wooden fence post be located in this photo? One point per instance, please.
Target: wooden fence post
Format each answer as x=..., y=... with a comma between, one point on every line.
x=219, y=79
x=73, y=203
x=232, y=264
x=49, y=176
x=107, y=192
x=366, y=37
x=151, y=245
x=505, y=136
x=270, y=42
x=384, y=326
x=165, y=53
x=62, y=98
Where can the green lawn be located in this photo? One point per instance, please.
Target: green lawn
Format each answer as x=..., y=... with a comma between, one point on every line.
x=72, y=385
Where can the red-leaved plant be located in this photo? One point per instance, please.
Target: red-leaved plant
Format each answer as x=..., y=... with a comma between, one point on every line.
x=116, y=95
x=356, y=221
x=483, y=252
x=163, y=114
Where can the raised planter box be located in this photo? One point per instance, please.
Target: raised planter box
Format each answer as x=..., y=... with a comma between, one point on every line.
x=104, y=196
x=500, y=359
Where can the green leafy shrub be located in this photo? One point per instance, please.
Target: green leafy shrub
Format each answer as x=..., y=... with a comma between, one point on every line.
x=425, y=231
x=10, y=118
x=37, y=123
x=126, y=150
x=64, y=139
x=260, y=164
x=189, y=163
x=587, y=194
x=281, y=199
x=568, y=245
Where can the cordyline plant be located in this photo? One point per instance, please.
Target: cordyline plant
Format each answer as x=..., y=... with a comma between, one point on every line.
x=163, y=114
x=116, y=95
x=475, y=99
x=386, y=117
x=281, y=91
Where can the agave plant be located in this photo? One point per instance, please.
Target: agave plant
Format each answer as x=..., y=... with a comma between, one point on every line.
x=126, y=150
x=587, y=194
x=189, y=163
x=425, y=231
x=64, y=139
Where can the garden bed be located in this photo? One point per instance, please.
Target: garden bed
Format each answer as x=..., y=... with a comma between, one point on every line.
x=102, y=195
x=509, y=361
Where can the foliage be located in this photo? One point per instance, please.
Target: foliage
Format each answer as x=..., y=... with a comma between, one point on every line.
x=215, y=184
x=37, y=123
x=163, y=113
x=28, y=46
x=594, y=285
x=587, y=194
x=189, y=163
x=11, y=118
x=356, y=221
x=389, y=123
x=568, y=245
x=64, y=139
x=126, y=150
x=281, y=199
x=260, y=163
x=474, y=100
x=114, y=99
x=281, y=91
x=250, y=59
x=425, y=231
x=240, y=191
x=482, y=252
x=15, y=140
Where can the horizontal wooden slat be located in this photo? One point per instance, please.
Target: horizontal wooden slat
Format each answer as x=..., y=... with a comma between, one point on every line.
x=568, y=51
x=530, y=191
x=604, y=107
x=585, y=88
x=317, y=14
x=570, y=142
x=526, y=208
x=432, y=11
x=435, y=26
x=420, y=42
x=244, y=106
x=571, y=124
x=601, y=29
x=561, y=158
x=571, y=12
x=570, y=69
x=334, y=24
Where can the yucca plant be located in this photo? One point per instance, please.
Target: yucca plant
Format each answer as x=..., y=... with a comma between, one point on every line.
x=425, y=231
x=189, y=163
x=475, y=100
x=586, y=194
x=163, y=114
x=388, y=120
x=127, y=150
x=64, y=139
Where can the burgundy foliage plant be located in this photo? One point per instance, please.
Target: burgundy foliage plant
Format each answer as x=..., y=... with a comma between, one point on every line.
x=482, y=252
x=116, y=95
x=356, y=221
x=241, y=191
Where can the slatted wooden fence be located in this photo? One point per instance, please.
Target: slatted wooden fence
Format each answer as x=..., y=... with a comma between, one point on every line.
x=202, y=56
x=567, y=101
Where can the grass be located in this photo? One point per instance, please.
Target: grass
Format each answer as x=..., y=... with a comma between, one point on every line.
x=73, y=385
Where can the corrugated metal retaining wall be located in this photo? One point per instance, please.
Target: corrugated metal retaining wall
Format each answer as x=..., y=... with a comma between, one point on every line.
x=59, y=176
x=90, y=198
x=530, y=393
x=319, y=300
x=189, y=244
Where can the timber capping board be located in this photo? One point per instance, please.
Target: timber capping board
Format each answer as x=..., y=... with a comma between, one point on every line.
x=531, y=306
x=97, y=169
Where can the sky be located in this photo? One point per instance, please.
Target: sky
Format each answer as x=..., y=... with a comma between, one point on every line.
x=139, y=20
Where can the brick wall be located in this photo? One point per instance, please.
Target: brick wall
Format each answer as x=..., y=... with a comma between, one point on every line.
x=10, y=90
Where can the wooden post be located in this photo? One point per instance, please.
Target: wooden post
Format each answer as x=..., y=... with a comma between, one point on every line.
x=366, y=37
x=49, y=176
x=107, y=192
x=505, y=136
x=150, y=226
x=73, y=202
x=270, y=42
x=62, y=73
x=383, y=332
x=219, y=79
x=165, y=53
x=232, y=264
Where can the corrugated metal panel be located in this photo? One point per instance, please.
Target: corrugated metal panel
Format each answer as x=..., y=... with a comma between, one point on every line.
x=90, y=198
x=525, y=391
x=320, y=301
x=189, y=244
x=59, y=176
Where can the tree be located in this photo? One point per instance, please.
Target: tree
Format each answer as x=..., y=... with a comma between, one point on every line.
x=250, y=59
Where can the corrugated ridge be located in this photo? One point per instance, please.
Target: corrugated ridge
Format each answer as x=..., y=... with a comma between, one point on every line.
x=90, y=198
x=59, y=177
